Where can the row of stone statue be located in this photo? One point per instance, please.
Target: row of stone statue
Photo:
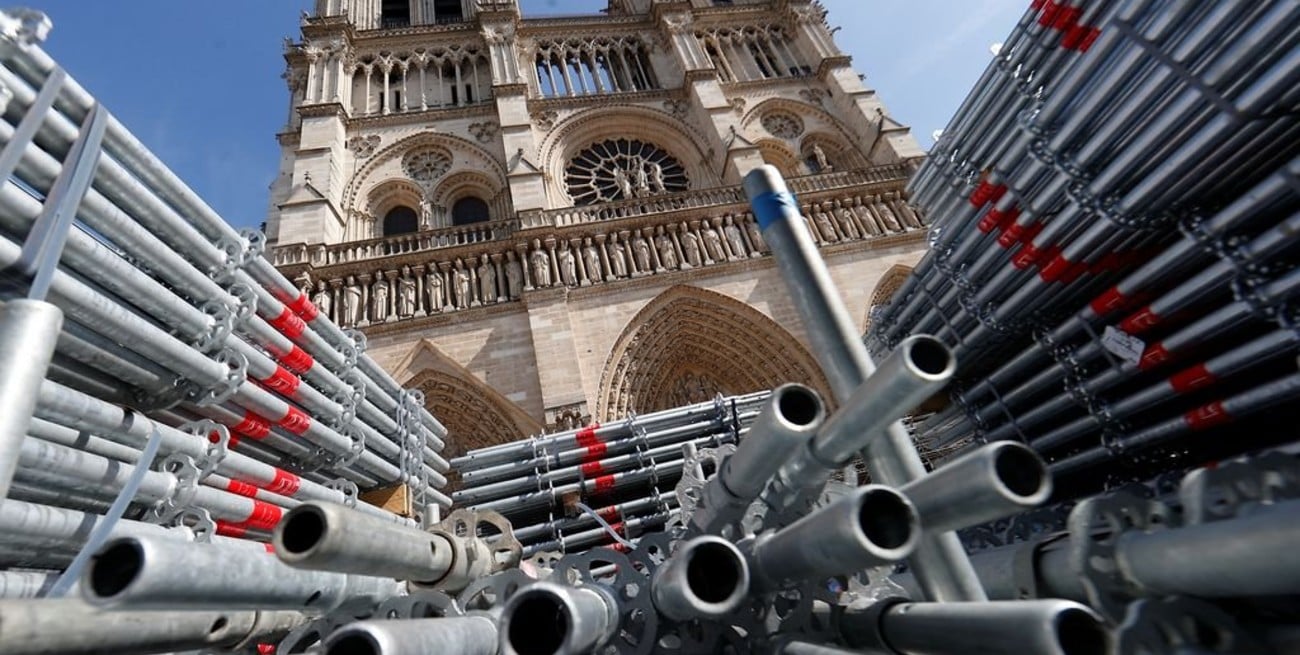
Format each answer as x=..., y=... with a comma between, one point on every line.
x=422, y=290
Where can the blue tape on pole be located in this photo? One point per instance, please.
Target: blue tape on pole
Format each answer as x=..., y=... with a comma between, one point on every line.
x=772, y=206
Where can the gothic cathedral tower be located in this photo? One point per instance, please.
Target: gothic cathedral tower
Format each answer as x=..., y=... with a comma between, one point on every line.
x=538, y=221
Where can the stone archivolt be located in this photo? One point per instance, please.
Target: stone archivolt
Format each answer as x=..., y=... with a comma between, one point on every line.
x=688, y=342
x=888, y=285
x=474, y=414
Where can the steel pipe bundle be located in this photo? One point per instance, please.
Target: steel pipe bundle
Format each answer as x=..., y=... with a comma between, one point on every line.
x=147, y=572
x=1078, y=315
x=1092, y=344
x=165, y=386
x=471, y=635
x=629, y=462
x=68, y=626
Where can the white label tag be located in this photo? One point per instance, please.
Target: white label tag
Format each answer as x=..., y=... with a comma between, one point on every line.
x=1122, y=345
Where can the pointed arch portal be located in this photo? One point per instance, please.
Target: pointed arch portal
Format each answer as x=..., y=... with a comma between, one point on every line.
x=688, y=344
x=474, y=414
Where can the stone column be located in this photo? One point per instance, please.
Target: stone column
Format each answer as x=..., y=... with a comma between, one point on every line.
x=521, y=251
x=604, y=257
x=502, y=283
x=420, y=295
x=364, y=280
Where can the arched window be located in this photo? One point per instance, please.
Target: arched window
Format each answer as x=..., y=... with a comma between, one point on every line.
x=469, y=210
x=400, y=220
x=395, y=13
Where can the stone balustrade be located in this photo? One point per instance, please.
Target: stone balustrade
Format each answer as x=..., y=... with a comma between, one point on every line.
x=445, y=271
x=890, y=176
x=353, y=251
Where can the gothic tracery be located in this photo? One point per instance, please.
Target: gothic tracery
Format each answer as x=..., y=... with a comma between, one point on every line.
x=426, y=165
x=688, y=342
x=620, y=169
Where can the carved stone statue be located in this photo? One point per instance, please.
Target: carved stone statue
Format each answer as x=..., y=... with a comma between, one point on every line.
x=691, y=247
x=591, y=260
x=624, y=184
x=323, y=300
x=867, y=218
x=617, y=257
x=903, y=211
x=734, y=238
x=844, y=218
x=514, y=276
x=713, y=244
x=887, y=216
x=642, y=181
x=824, y=224
x=460, y=283
x=541, y=263
x=568, y=266
x=406, y=293
x=426, y=212
x=352, y=309
x=379, y=299
x=641, y=252
x=755, y=235
x=657, y=178
x=487, y=280
x=819, y=155
x=433, y=286
x=667, y=254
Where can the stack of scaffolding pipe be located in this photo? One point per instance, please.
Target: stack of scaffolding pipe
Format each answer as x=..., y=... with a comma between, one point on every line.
x=590, y=453
x=619, y=470
x=1053, y=241
x=596, y=434
x=1230, y=63
x=1167, y=309
x=39, y=168
x=193, y=393
x=135, y=222
x=593, y=469
x=201, y=227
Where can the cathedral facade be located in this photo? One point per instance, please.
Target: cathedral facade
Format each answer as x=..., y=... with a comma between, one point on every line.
x=539, y=221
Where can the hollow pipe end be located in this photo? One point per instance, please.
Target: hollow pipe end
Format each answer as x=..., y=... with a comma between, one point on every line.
x=928, y=358
x=113, y=570
x=299, y=535
x=1078, y=630
x=886, y=522
x=800, y=408
x=543, y=619
x=1020, y=473
x=709, y=578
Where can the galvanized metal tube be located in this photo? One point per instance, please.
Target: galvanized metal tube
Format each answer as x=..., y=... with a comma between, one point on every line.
x=549, y=619
x=29, y=330
x=892, y=458
x=917, y=368
x=153, y=573
x=468, y=635
x=705, y=578
x=873, y=525
x=1037, y=627
x=1251, y=555
x=328, y=537
x=790, y=418
x=994, y=481
x=68, y=626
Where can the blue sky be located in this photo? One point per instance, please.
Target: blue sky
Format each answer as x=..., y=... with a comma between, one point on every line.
x=199, y=83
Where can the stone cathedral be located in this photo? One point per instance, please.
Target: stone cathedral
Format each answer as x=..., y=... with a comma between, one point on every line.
x=539, y=221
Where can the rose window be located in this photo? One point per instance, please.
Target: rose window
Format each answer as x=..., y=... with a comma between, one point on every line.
x=782, y=125
x=619, y=169
x=426, y=165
